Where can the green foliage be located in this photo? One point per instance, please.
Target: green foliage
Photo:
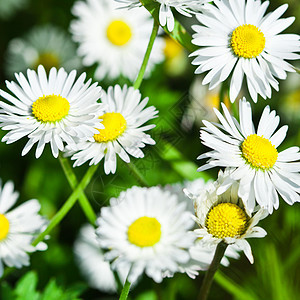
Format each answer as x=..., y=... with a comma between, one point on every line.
x=26, y=289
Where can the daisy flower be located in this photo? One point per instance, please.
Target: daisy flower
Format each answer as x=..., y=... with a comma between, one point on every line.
x=19, y=227
x=253, y=156
x=201, y=255
x=146, y=230
x=90, y=259
x=44, y=45
x=124, y=115
x=113, y=38
x=237, y=38
x=184, y=7
x=54, y=110
x=225, y=218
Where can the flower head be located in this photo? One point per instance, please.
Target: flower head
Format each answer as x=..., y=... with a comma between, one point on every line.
x=184, y=7
x=18, y=228
x=253, y=155
x=237, y=38
x=56, y=110
x=123, y=117
x=146, y=230
x=225, y=217
x=44, y=45
x=113, y=38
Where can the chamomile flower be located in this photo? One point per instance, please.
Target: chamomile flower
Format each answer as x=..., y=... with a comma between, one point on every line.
x=235, y=37
x=90, y=258
x=146, y=230
x=54, y=110
x=113, y=38
x=18, y=228
x=253, y=155
x=225, y=218
x=123, y=117
x=44, y=45
x=184, y=7
x=201, y=255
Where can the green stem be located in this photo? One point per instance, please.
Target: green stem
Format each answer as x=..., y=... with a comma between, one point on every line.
x=83, y=200
x=137, y=174
x=68, y=204
x=140, y=76
x=209, y=276
x=125, y=290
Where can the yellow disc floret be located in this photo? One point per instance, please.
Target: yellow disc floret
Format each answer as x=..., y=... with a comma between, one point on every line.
x=114, y=124
x=247, y=41
x=50, y=108
x=118, y=33
x=48, y=60
x=226, y=220
x=144, y=232
x=4, y=227
x=259, y=152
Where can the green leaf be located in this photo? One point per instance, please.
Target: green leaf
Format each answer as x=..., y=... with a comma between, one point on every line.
x=26, y=287
x=179, y=33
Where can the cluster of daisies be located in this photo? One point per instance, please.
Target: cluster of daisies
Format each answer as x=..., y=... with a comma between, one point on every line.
x=152, y=230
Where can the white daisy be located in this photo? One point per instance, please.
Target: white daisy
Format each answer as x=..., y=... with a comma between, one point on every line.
x=262, y=171
x=18, y=227
x=115, y=39
x=201, y=255
x=184, y=7
x=237, y=38
x=146, y=230
x=123, y=117
x=90, y=259
x=54, y=110
x=224, y=217
x=44, y=45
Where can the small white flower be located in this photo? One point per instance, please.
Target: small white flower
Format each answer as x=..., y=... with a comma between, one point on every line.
x=237, y=38
x=44, y=45
x=18, y=228
x=184, y=7
x=124, y=115
x=225, y=218
x=113, y=38
x=147, y=230
x=90, y=259
x=253, y=155
x=54, y=110
x=201, y=255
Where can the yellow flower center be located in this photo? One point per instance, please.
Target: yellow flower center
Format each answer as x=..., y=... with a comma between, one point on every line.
x=259, y=152
x=50, y=108
x=144, y=232
x=114, y=124
x=118, y=33
x=4, y=227
x=48, y=60
x=247, y=41
x=226, y=220
x=172, y=48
